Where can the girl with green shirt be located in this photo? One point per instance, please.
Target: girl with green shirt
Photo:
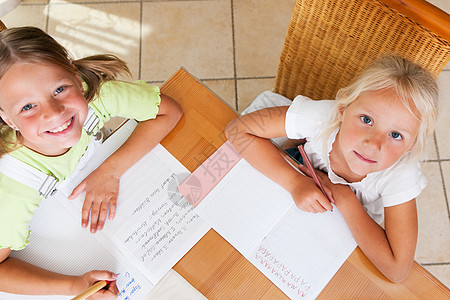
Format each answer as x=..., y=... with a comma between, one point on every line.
x=44, y=102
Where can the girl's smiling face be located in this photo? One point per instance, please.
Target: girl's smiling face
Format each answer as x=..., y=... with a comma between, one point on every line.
x=45, y=103
x=376, y=130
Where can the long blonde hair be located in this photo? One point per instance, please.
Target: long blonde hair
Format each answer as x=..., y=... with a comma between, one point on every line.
x=32, y=45
x=409, y=81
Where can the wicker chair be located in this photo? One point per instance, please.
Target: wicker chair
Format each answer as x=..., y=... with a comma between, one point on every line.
x=329, y=41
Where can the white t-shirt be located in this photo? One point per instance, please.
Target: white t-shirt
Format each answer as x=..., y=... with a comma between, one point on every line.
x=399, y=183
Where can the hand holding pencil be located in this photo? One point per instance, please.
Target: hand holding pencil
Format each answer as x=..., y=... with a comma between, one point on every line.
x=309, y=170
x=99, y=289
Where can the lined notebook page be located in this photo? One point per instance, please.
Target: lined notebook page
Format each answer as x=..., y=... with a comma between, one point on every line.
x=299, y=252
x=304, y=251
x=244, y=206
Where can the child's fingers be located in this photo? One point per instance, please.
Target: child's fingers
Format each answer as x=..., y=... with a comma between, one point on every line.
x=312, y=207
x=102, y=215
x=95, y=212
x=329, y=194
x=78, y=190
x=304, y=170
x=85, y=212
x=324, y=203
x=96, y=275
x=112, y=289
x=316, y=202
x=112, y=207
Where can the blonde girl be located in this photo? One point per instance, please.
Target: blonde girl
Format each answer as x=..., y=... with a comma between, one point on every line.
x=45, y=97
x=366, y=144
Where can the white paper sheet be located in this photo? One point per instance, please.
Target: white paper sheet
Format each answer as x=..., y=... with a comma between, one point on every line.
x=299, y=252
x=153, y=228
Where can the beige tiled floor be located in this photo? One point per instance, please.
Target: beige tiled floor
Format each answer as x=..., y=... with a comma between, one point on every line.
x=233, y=47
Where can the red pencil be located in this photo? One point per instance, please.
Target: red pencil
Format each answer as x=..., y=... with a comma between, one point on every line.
x=312, y=171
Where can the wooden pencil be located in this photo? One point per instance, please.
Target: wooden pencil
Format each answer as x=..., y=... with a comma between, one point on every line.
x=91, y=290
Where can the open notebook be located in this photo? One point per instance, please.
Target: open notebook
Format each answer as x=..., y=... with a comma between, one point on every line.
x=298, y=251
x=153, y=228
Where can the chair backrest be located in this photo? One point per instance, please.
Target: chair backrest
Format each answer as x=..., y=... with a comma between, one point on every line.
x=330, y=41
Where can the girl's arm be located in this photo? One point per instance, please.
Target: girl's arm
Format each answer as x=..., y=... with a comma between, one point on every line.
x=19, y=277
x=102, y=185
x=250, y=135
x=392, y=249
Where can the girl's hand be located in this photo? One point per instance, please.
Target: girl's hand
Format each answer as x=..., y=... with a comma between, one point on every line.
x=88, y=279
x=330, y=188
x=102, y=189
x=308, y=197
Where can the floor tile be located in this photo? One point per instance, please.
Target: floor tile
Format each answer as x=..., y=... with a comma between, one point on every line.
x=98, y=28
x=434, y=239
x=193, y=34
x=248, y=89
x=27, y=15
x=260, y=27
x=441, y=272
x=430, y=152
x=443, y=127
x=224, y=89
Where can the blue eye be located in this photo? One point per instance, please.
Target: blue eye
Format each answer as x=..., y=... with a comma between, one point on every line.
x=27, y=107
x=396, y=135
x=59, y=90
x=366, y=120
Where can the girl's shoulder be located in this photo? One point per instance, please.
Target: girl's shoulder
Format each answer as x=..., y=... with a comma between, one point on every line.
x=127, y=88
x=304, y=105
x=400, y=182
x=17, y=206
x=307, y=118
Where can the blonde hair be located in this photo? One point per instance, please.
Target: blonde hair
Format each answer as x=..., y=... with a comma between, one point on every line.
x=411, y=83
x=32, y=45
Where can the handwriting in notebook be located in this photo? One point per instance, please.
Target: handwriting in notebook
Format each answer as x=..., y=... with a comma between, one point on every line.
x=154, y=217
x=285, y=274
x=129, y=287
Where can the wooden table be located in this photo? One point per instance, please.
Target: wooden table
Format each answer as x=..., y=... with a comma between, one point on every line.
x=219, y=271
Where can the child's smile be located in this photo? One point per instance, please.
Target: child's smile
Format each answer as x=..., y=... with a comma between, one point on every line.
x=376, y=130
x=45, y=103
x=63, y=127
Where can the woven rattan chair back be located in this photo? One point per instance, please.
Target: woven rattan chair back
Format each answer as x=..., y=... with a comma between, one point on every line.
x=330, y=41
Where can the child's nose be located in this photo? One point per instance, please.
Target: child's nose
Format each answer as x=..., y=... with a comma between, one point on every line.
x=53, y=109
x=374, y=142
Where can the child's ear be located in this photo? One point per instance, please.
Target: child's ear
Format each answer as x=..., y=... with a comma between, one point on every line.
x=7, y=120
x=340, y=113
x=80, y=83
